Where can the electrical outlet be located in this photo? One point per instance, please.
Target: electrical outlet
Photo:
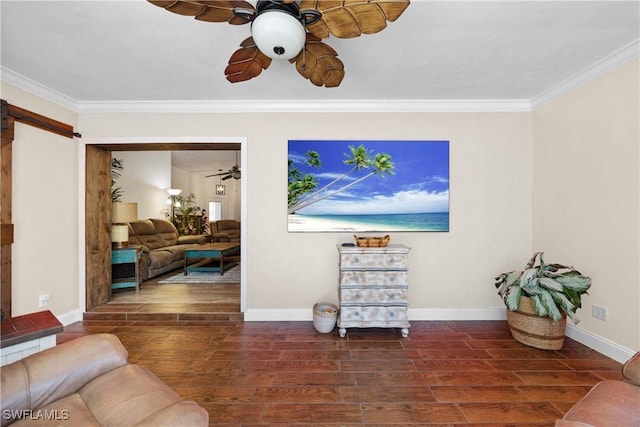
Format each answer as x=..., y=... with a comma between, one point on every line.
x=599, y=312
x=43, y=300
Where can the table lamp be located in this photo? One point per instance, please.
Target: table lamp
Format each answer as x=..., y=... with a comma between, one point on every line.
x=121, y=214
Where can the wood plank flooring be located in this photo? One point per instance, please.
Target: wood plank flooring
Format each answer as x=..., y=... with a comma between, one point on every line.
x=171, y=302
x=469, y=373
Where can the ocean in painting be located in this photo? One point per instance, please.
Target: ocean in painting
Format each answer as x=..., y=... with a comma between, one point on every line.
x=373, y=222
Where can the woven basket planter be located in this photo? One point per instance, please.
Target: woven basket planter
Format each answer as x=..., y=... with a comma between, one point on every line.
x=325, y=315
x=530, y=329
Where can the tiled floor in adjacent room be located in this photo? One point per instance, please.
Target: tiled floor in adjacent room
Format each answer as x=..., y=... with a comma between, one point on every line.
x=285, y=374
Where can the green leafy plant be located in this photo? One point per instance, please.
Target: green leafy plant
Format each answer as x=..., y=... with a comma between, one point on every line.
x=117, y=166
x=554, y=289
x=183, y=216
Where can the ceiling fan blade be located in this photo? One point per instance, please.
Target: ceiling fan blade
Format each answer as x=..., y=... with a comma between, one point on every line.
x=216, y=174
x=319, y=63
x=353, y=18
x=235, y=12
x=224, y=178
x=246, y=62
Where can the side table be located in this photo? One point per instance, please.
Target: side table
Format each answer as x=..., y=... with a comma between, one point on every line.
x=125, y=268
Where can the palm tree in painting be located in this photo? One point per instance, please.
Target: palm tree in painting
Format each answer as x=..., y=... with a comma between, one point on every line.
x=360, y=159
x=302, y=182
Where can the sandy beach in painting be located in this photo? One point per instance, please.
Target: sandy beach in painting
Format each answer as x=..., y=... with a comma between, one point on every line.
x=313, y=223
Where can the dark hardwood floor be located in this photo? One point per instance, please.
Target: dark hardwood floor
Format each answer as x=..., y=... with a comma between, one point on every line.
x=446, y=373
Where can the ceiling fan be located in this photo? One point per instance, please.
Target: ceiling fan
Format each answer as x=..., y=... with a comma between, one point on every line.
x=292, y=30
x=234, y=172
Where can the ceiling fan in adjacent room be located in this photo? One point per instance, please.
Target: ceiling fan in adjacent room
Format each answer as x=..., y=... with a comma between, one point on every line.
x=234, y=172
x=292, y=30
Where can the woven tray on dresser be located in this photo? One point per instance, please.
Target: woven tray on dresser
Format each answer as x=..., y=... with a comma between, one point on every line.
x=372, y=288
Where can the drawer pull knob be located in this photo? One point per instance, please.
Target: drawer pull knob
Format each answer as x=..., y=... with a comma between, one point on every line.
x=392, y=279
x=392, y=314
x=357, y=296
x=356, y=260
x=356, y=314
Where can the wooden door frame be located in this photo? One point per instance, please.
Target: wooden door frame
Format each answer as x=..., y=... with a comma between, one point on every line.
x=154, y=144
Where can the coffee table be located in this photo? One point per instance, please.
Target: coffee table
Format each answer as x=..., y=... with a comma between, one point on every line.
x=211, y=257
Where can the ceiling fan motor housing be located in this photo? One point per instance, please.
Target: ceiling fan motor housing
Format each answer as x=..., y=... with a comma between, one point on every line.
x=277, y=29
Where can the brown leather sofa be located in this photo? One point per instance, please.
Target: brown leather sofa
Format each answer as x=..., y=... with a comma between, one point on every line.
x=162, y=247
x=87, y=382
x=609, y=403
x=225, y=230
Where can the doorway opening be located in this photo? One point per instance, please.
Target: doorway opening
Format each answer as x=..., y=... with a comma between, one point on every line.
x=97, y=291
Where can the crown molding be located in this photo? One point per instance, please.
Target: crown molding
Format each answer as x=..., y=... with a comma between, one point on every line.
x=598, y=69
x=26, y=84
x=286, y=106
x=258, y=106
x=616, y=59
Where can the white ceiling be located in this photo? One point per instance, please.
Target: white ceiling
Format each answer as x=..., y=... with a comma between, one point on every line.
x=205, y=162
x=122, y=51
x=116, y=53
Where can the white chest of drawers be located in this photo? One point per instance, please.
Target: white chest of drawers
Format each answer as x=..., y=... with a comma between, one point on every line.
x=372, y=288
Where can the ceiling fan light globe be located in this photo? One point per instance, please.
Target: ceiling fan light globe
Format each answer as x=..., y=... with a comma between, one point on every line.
x=278, y=34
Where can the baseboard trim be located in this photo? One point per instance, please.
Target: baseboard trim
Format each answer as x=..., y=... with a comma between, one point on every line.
x=601, y=345
x=417, y=314
x=278, y=315
x=69, y=317
x=597, y=343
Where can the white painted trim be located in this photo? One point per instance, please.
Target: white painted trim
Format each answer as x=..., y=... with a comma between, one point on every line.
x=71, y=316
x=300, y=106
x=601, y=345
x=36, y=88
x=616, y=59
x=457, y=314
x=269, y=106
x=150, y=140
x=278, y=315
x=597, y=343
x=416, y=314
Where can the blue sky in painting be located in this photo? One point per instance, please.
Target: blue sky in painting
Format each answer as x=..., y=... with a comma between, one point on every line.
x=420, y=183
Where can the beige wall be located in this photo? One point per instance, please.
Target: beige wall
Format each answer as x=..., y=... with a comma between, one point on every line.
x=45, y=210
x=586, y=196
x=564, y=179
x=498, y=161
x=144, y=180
x=287, y=273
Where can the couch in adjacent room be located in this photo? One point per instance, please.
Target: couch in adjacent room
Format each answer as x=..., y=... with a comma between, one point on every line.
x=610, y=402
x=88, y=382
x=225, y=231
x=162, y=247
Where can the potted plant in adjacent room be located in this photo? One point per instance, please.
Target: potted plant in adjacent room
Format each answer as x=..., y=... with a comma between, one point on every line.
x=185, y=214
x=539, y=299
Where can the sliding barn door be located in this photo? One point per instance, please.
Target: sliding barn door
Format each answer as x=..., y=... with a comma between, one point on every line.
x=6, y=223
x=97, y=226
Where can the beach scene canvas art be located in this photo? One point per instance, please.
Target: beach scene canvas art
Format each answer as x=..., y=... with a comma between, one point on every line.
x=368, y=186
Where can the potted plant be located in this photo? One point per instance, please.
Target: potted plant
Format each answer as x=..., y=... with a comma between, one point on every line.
x=539, y=299
x=184, y=216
